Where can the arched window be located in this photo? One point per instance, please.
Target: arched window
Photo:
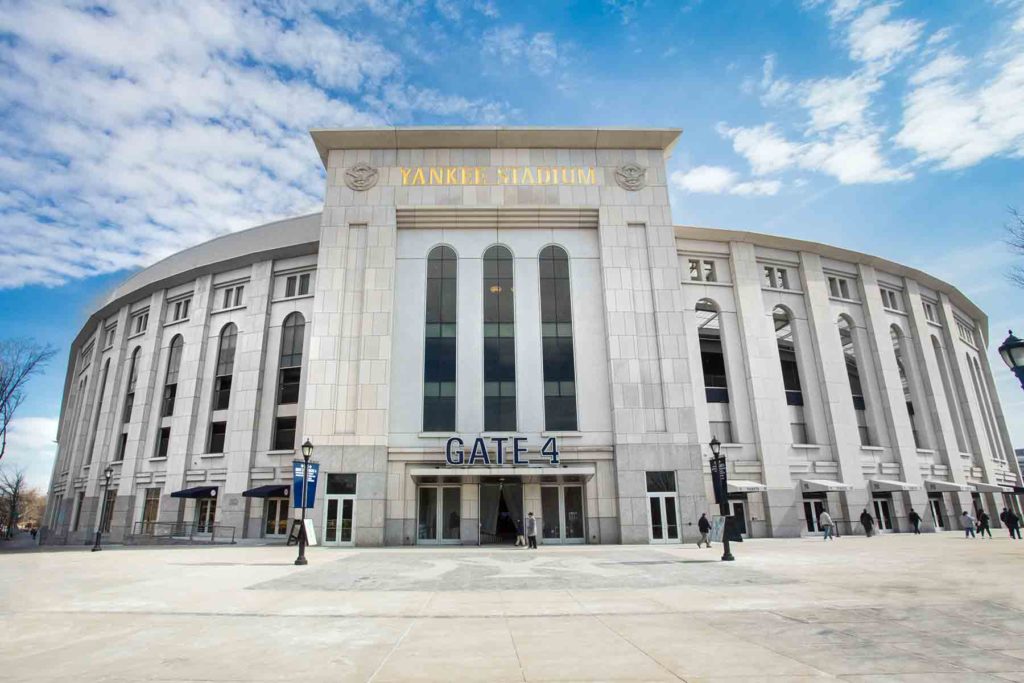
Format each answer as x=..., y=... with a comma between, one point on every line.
x=556, y=333
x=898, y=345
x=129, y=402
x=846, y=339
x=987, y=416
x=955, y=409
x=290, y=363
x=499, y=341
x=225, y=367
x=171, y=382
x=712, y=361
x=99, y=409
x=439, y=347
x=790, y=373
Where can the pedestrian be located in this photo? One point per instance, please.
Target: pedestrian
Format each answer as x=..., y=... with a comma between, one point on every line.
x=531, y=530
x=34, y=532
x=867, y=521
x=1014, y=524
x=983, y=526
x=825, y=523
x=704, y=526
x=915, y=519
x=968, y=524
x=520, y=539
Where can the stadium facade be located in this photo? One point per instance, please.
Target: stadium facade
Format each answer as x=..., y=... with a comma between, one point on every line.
x=486, y=322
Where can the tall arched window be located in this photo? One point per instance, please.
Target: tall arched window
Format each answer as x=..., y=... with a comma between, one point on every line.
x=712, y=361
x=955, y=410
x=846, y=338
x=556, y=333
x=225, y=367
x=99, y=409
x=898, y=345
x=499, y=341
x=290, y=364
x=171, y=382
x=784, y=337
x=439, y=347
x=991, y=430
x=129, y=402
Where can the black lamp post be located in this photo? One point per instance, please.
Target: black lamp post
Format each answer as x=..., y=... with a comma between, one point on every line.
x=1012, y=351
x=107, y=474
x=307, y=453
x=720, y=480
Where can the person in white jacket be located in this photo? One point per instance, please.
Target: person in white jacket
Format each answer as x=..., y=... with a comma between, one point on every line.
x=968, y=523
x=825, y=524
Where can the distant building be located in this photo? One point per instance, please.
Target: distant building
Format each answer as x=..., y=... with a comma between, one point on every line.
x=471, y=301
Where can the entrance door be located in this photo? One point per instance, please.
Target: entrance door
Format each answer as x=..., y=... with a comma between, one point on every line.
x=812, y=512
x=339, y=516
x=561, y=513
x=439, y=514
x=938, y=513
x=883, y=514
x=739, y=513
x=501, y=511
x=664, y=525
x=275, y=518
x=206, y=513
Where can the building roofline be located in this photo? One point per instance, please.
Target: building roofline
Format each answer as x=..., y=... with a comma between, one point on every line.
x=839, y=254
x=497, y=137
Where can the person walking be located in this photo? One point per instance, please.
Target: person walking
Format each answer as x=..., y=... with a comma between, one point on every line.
x=968, y=524
x=868, y=522
x=531, y=530
x=520, y=539
x=915, y=519
x=825, y=524
x=704, y=526
x=983, y=526
x=1014, y=524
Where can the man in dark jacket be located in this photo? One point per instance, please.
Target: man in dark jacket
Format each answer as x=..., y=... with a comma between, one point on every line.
x=704, y=526
x=1011, y=521
x=983, y=525
x=867, y=521
x=915, y=519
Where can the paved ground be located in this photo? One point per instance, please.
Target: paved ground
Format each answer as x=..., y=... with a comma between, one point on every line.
x=905, y=608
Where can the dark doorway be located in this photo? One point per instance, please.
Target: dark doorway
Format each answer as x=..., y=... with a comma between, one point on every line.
x=501, y=505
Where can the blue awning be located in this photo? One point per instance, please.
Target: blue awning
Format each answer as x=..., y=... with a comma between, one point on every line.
x=196, y=492
x=269, y=491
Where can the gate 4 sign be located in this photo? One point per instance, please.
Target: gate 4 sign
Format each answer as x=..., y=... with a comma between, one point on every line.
x=497, y=450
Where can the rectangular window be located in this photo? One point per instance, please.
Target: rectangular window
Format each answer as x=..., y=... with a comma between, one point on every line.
x=865, y=435
x=150, y=509
x=79, y=500
x=232, y=297
x=695, y=271
x=217, y=433
x=122, y=446
x=776, y=278
x=163, y=439
x=222, y=392
x=167, y=401
x=341, y=484
x=289, y=286
x=288, y=389
x=929, y=312
x=140, y=323
x=661, y=482
x=499, y=341
x=440, y=341
x=799, y=432
x=304, y=284
x=557, y=341
x=716, y=388
x=839, y=287
x=722, y=431
x=108, y=339
x=709, y=272
x=284, y=434
x=890, y=299
x=181, y=309
x=238, y=295
x=108, y=509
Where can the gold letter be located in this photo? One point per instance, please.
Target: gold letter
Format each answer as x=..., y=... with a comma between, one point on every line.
x=405, y=175
x=450, y=178
x=502, y=176
x=527, y=176
x=435, y=175
x=417, y=177
x=587, y=176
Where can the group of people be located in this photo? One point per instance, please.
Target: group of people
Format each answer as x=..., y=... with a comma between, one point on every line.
x=971, y=525
x=531, y=532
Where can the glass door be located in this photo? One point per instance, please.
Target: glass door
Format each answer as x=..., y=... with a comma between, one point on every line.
x=937, y=513
x=561, y=513
x=339, y=516
x=664, y=526
x=439, y=509
x=883, y=514
x=275, y=519
x=812, y=513
x=739, y=512
x=206, y=513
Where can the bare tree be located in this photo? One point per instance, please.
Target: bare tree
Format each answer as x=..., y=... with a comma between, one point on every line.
x=12, y=499
x=19, y=360
x=1015, y=230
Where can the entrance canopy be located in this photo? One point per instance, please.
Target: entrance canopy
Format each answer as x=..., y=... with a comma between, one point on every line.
x=982, y=487
x=892, y=485
x=823, y=485
x=584, y=472
x=269, y=491
x=196, y=492
x=743, y=486
x=938, y=486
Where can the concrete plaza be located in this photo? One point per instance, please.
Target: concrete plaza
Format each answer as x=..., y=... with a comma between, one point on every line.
x=900, y=607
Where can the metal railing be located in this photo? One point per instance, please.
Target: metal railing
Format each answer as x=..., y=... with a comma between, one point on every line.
x=182, y=532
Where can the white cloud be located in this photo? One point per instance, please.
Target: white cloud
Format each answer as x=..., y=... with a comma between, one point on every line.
x=513, y=46
x=876, y=39
x=30, y=447
x=132, y=130
x=721, y=180
x=836, y=102
x=764, y=148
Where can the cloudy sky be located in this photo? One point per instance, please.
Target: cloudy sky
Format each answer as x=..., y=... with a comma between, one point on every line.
x=129, y=130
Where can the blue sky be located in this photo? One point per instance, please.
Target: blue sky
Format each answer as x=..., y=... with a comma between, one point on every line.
x=130, y=130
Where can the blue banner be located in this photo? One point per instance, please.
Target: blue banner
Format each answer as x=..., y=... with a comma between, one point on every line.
x=314, y=471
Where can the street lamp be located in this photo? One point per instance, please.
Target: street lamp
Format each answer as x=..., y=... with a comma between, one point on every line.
x=107, y=474
x=719, y=479
x=1012, y=351
x=307, y=453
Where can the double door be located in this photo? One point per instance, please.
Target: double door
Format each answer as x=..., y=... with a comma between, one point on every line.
x=561, y=514
x=812, y=513
x=883, y=514
x=664, y=519
x=275, y=519
x=339, y=519
x=206, y=515
x=938, y=512
x=439, y=514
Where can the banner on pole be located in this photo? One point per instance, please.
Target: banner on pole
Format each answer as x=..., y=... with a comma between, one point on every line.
x=314, y=471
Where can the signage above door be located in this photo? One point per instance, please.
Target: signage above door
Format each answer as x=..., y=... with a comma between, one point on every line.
x=498, y=175
x=499, y=451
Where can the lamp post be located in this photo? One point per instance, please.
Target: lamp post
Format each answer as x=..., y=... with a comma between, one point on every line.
x=719, y=479
x=307, y=453
x=107, y=474
x=1012, y=351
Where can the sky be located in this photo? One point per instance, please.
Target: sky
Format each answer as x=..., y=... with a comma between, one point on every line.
x=131, y=130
